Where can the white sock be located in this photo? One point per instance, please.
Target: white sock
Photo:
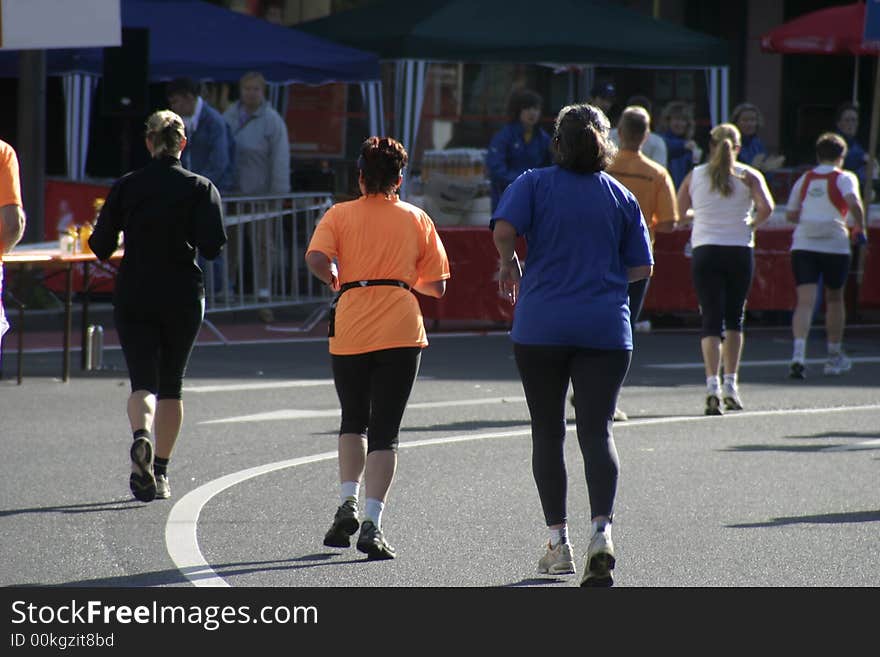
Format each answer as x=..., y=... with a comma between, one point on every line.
x=601, y=526
x=374, y=511
x=833, y=348
x=730, y=380
x=558, y=536
x=713, y=383
x=799, y=354
x=349, y=490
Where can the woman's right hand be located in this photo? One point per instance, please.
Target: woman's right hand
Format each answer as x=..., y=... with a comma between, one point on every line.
x=509, y=276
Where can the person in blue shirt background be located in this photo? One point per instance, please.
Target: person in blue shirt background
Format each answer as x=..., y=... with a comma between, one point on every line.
x=587, y=240
x=677, y=129
x=520, y=145
x=210, y=151
x=748, y=118
x=846, y=124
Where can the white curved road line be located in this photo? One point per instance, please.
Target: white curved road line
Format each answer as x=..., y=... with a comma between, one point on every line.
x=181, y=538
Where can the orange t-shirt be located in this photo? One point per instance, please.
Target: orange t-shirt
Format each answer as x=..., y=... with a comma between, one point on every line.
x=376, y=237
x=650, y=183
x=10, y=184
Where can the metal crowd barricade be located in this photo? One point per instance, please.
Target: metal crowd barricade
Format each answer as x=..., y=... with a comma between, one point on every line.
x=263, y=264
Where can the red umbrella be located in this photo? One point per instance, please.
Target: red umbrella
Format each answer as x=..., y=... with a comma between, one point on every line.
x=831, y=31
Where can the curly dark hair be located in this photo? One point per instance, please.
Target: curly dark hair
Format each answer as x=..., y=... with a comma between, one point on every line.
x=381, y=162
x=581, y=140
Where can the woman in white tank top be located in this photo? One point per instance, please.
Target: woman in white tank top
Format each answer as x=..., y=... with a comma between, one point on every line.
x=726, y=201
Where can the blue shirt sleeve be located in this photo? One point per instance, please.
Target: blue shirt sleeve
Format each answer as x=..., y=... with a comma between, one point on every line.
x=636, y=246
x=517, y=204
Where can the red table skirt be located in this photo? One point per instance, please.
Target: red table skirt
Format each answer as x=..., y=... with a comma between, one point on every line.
x=472, y=292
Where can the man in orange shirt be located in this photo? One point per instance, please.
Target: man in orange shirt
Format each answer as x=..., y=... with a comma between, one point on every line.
x=652, y=186
x=12, y=218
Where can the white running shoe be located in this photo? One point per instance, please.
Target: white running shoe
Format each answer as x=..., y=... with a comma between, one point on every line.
x=163, y=488
x=557, y=560
x=837, y=364
x=730, y=395
x=599, y=560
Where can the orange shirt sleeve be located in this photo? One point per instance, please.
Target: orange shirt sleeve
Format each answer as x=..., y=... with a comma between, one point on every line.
x=10, y=184
x=324, y=237
x=666, y=207
x=433, y=263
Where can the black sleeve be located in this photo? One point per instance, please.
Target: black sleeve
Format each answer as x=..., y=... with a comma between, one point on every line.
x=104, y=240
x=210, y=231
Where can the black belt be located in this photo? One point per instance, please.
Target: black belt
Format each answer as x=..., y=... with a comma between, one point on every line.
x=331, y=328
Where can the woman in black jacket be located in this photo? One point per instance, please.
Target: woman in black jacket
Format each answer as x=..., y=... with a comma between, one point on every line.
x=167, y=216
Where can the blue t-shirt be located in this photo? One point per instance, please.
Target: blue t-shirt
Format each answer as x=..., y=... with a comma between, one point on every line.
x=509, y=155
x=752, y=146
x=583, y=232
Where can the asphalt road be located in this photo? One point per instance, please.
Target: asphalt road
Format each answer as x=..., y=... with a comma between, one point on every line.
x=783, y=494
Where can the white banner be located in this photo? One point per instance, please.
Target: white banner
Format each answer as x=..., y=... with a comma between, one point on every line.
x=46, y=24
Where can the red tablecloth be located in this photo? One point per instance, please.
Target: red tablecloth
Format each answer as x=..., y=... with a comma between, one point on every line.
x=671, y=289
x=472, y=292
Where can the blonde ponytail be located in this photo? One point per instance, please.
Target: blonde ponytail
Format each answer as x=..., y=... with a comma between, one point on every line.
x=166, y=131
x=724, y=139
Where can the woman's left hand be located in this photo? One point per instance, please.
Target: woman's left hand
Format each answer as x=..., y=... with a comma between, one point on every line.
x=509, y=275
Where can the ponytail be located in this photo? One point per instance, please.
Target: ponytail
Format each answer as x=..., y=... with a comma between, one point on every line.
x=724, y=140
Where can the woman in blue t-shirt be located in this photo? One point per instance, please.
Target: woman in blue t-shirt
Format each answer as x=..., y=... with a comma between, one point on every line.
x=587, y=240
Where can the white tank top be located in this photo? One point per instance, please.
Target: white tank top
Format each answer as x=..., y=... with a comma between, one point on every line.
x=721, y=220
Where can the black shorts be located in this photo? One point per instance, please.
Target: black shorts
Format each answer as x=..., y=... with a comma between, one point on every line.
x=807, y=266
x=373, y=390
x=157, y=343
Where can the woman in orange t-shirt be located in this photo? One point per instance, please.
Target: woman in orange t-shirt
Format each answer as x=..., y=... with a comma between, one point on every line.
x=384, y=248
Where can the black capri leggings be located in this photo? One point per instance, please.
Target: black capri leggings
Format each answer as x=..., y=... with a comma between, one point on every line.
x=596, y=376
x=373, y=390
x=157, y=343
x=722, y=279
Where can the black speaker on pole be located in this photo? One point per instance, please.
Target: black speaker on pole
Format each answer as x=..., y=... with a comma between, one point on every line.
x=126, y=71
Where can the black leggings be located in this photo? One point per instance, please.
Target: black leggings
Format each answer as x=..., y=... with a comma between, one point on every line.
x=596, y=376
x=373, y=390
x=157, y=343
x=722, y=279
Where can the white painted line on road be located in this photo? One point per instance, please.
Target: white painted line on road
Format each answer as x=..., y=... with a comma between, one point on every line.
x=757, y=363
x=268, y=385
x=300, y=414
x=181, y=539
x=865, y=444
x=181, y=528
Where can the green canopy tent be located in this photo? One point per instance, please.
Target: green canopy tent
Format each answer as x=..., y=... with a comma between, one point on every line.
x=584, y=32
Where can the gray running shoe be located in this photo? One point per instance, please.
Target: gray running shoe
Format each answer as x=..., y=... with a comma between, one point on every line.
x=713, y=404
x=797, y=370
x=142, y=482
x=372, y=542
x=557, y=560
x=345, y=523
